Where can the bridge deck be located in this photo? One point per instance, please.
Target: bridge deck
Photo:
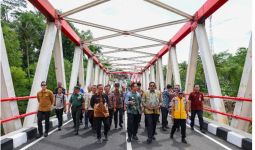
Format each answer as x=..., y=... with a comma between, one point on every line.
x=66, y=140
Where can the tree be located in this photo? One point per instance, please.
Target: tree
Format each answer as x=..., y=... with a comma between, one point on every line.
x=12, y=45
x=183, y=71
x=21, y=86
x=30, y=27
x=11, y=7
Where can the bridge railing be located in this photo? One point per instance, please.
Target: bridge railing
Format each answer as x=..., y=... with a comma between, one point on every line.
x=206, y=108
x=22, y=98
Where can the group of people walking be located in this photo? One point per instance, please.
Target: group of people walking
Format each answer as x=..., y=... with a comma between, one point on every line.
x=101, y=105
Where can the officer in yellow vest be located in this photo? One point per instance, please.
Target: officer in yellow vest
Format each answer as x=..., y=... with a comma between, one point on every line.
x=179, y=114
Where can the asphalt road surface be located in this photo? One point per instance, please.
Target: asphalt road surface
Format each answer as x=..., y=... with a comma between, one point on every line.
x=86, y=140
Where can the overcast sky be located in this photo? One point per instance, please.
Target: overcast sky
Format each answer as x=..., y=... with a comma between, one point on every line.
x=231, y=24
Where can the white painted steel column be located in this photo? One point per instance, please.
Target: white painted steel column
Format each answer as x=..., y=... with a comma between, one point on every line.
x=92, y=80
x=176, y=73
x=81, y=71
x=152, y=73
x=59, y=60
x=10, y=108
x=75, y=69
x=89, y=72
x=96, y=76
x=210, y=73
x=41, y=72
x=243, y=108
x=106, y=79
x=103, y=80
x=169, y=70
x=100, y=76
x=144, y=81
x=147, y=79
x=161, y=77
x=157, y=77
x=192, y=64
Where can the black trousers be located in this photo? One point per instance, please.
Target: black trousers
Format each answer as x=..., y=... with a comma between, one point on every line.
x=177, y=123
x=40, y=116
x=98, y=124
x=111, y=113
x=200, y=118
x=152, y=120
x=132, y=124
x=76, y=113
x=164, y=113
x=117, y=113
x=59, y=114
x=86, y=118
x=90, y=114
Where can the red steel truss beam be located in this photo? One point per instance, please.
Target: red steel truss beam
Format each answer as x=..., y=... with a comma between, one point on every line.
x=45, y=7
x=208, y=8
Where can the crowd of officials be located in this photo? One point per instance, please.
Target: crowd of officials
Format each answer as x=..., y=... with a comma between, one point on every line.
x=101, y=105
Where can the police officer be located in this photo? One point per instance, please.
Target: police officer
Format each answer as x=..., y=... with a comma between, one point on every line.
x=77, y=105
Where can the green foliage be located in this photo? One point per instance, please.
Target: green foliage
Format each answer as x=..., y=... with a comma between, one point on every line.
x=21, y=86
x=229, y=68
x=20, y=81
x=51, y=79
x=11, y=7
x=30, y=28
x=23, y=34
x=12, y=45
x=68, y=69
x=183, y=69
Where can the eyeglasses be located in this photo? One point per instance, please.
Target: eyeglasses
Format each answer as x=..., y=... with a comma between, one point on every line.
x=43, y=85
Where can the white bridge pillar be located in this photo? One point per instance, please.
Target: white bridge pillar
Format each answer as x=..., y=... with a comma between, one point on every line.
x=243, y=108
x=176, y=73
x=169, y=70
x=81, y=71
x=8, y=108
x=152, y=73
x=75, y=69
x=101, y=72
x=147, y=78
x=41, y=72
x=89, y=73
x=96, y=76
x=59, y=59
x=192, y=64
x=210, y=73
x=144, y=81
x=161, y=76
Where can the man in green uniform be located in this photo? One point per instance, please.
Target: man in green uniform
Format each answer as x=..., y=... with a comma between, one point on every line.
x=77, y=104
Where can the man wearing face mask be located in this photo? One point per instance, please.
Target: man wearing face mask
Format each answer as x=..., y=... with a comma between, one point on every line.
x=151, y=102
x=99, y=102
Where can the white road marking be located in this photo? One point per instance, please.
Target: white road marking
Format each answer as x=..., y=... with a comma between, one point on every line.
x=129, y=146
x=210, y=138
x=34, y=142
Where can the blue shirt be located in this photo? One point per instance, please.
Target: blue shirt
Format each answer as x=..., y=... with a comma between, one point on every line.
x=167, y=97
x=136, y=108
